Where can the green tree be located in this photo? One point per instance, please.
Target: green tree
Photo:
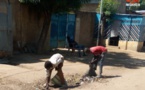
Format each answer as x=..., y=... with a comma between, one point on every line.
x=49, y=7
x=109, y=7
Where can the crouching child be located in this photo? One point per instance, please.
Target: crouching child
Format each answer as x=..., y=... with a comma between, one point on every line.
x=55, y=62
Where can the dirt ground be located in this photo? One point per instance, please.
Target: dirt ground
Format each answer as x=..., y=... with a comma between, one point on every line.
x=123, y=70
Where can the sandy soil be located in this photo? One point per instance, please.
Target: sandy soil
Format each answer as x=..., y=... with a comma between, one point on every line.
x=123, y=70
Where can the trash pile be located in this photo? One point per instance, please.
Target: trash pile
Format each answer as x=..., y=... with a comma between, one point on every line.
x=73, y=80
x=88, y=79
x=77, y=79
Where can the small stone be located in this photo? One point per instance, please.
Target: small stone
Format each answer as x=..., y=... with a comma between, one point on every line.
x=81, y=83
x=87, y=78
x=44, y=85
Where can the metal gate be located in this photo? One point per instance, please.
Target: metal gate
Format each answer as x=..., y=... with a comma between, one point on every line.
x=5, y=28
x=61, y=26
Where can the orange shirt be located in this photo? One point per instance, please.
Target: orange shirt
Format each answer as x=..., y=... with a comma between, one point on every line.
x=97, y=50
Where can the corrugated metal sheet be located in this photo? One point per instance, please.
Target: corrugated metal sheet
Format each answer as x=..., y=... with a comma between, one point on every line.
x=131, y=28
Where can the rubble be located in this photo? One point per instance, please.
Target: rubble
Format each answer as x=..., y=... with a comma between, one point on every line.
x=78, y=79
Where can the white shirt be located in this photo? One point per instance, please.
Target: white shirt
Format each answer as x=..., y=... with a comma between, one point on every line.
x=56, y=59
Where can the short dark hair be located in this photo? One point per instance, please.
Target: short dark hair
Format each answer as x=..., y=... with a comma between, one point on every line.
x=48, y=65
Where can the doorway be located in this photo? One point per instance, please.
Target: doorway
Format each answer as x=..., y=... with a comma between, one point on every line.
x=113, y=41
x=61, y=25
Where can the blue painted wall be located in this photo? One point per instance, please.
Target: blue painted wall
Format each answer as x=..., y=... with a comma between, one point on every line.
x=61, y=26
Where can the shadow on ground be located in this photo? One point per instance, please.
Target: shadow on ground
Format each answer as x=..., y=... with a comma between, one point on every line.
x=117, y=59
x=123, y=60
x=111, y=76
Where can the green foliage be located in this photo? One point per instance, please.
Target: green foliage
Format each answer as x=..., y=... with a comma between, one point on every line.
x=55, y=6
x=109, y=7
x=142, y=5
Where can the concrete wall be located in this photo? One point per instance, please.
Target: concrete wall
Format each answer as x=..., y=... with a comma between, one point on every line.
x=106, y=42
x=134, y=46
x=89, y=8
x=85, y=23
x=27, y=24
x=128, y=45
x=122, y=45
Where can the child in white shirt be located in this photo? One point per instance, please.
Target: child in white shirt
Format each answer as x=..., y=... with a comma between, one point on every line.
x=55, y=61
